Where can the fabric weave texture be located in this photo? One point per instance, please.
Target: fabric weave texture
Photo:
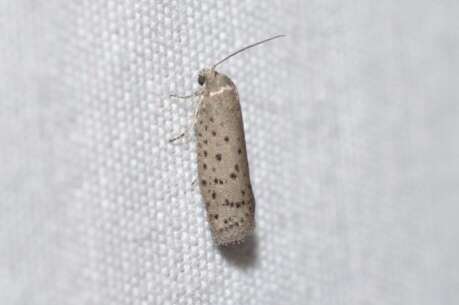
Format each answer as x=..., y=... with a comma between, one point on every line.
x=351, y=126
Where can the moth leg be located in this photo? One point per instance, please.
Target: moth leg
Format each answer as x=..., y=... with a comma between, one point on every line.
x=195, y=116
x=193, y=184
x=184, y=97
x=177, y=137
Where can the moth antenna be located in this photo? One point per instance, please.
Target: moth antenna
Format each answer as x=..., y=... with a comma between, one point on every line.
x=246, y=48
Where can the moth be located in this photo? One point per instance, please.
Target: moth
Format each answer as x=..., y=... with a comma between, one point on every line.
x=223, y=169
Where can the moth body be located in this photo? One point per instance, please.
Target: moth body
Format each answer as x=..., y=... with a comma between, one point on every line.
x=223, y=169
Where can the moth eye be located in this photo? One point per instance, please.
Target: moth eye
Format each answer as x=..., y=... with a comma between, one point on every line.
x=201, y=79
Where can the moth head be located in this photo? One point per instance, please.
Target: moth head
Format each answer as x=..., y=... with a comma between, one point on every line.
x=206, y=75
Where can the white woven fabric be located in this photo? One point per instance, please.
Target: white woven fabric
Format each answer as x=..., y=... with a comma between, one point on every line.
x=351, y=126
